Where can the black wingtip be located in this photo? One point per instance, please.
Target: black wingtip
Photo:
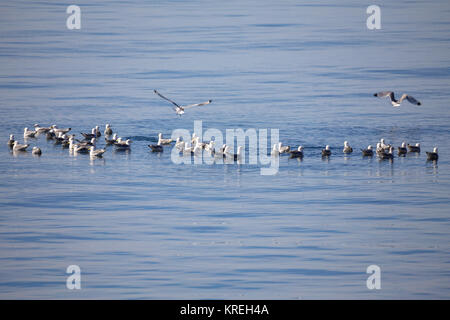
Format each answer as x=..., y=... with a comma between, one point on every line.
x=419, y=104
x=375, y=94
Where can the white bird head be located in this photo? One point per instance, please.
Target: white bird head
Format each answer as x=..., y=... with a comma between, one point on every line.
x=346, y=143
x=11, y=137
x=327, y=147
x=403, y=144
x=435, y=150
x=115, y=136
x=160, y=135
x=378, y=145
x=107, y=126
x=300, y=148
x=93, y=140
x=93, y=131
x=240, y=148
x=25, y=130
x=369, y=147
x=417, y=144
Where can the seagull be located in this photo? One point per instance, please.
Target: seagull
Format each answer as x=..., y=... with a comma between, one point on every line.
x=96, y=153
x=283, y=149
x=156, y=147
x=36, y=151
x=326, y=152
x=347, y=148
x=179, y=110
x=111, y=141
x=11, y=140
x=384, y=145
x=29, y=133
x=395, y=102
x=236, y=156
x=367, y=152
x=20, y=147
x=387, y=155
x=402, y=150
x=40, y=129
x=78, y=148
x=379, y=148
x=97, y=131
x=108, y=130
x=90, y=143
x=120, y=144
x=51, y=134
x=163, y=141
x=81, y=149
x=178, y=143
x=415, y=148
x=433, y=155
x=57, y=130
x=89, y=136
x=210, y=146
x=297, y=153
x=275, y=151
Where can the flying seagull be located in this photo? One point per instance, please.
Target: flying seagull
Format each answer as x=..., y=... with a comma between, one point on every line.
x=395, y=102
x=179, y=110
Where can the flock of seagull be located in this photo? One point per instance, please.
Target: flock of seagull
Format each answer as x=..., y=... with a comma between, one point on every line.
x=61, y=136
x=195, y=146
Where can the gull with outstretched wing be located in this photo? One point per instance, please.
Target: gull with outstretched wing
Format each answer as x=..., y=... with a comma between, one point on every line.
x=179, y=110
x=395, y=102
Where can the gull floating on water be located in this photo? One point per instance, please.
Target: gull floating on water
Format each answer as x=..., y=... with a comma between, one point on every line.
x=122, y=145
x=111, y=141
x=395, y=102
x=96, y=153
x=40, y=129
x=163, y=141
x=156, y=147
x=347, y=148
x=20, y=147
x=89, y=136
x=433, y=155
x=297, y=153
x=283, y=149
x=387, y=155
x=36, y=151
x=179, y=110
x=29, y=133
x=415, y=148
x=385, y=146
x=326, y=152
x=108, y=131
x=56, y=130
x=402, y=150
x=11, y=140
x=367, y=152
x=235, y=156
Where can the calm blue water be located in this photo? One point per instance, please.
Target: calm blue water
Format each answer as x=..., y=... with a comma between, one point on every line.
x=141, y=227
